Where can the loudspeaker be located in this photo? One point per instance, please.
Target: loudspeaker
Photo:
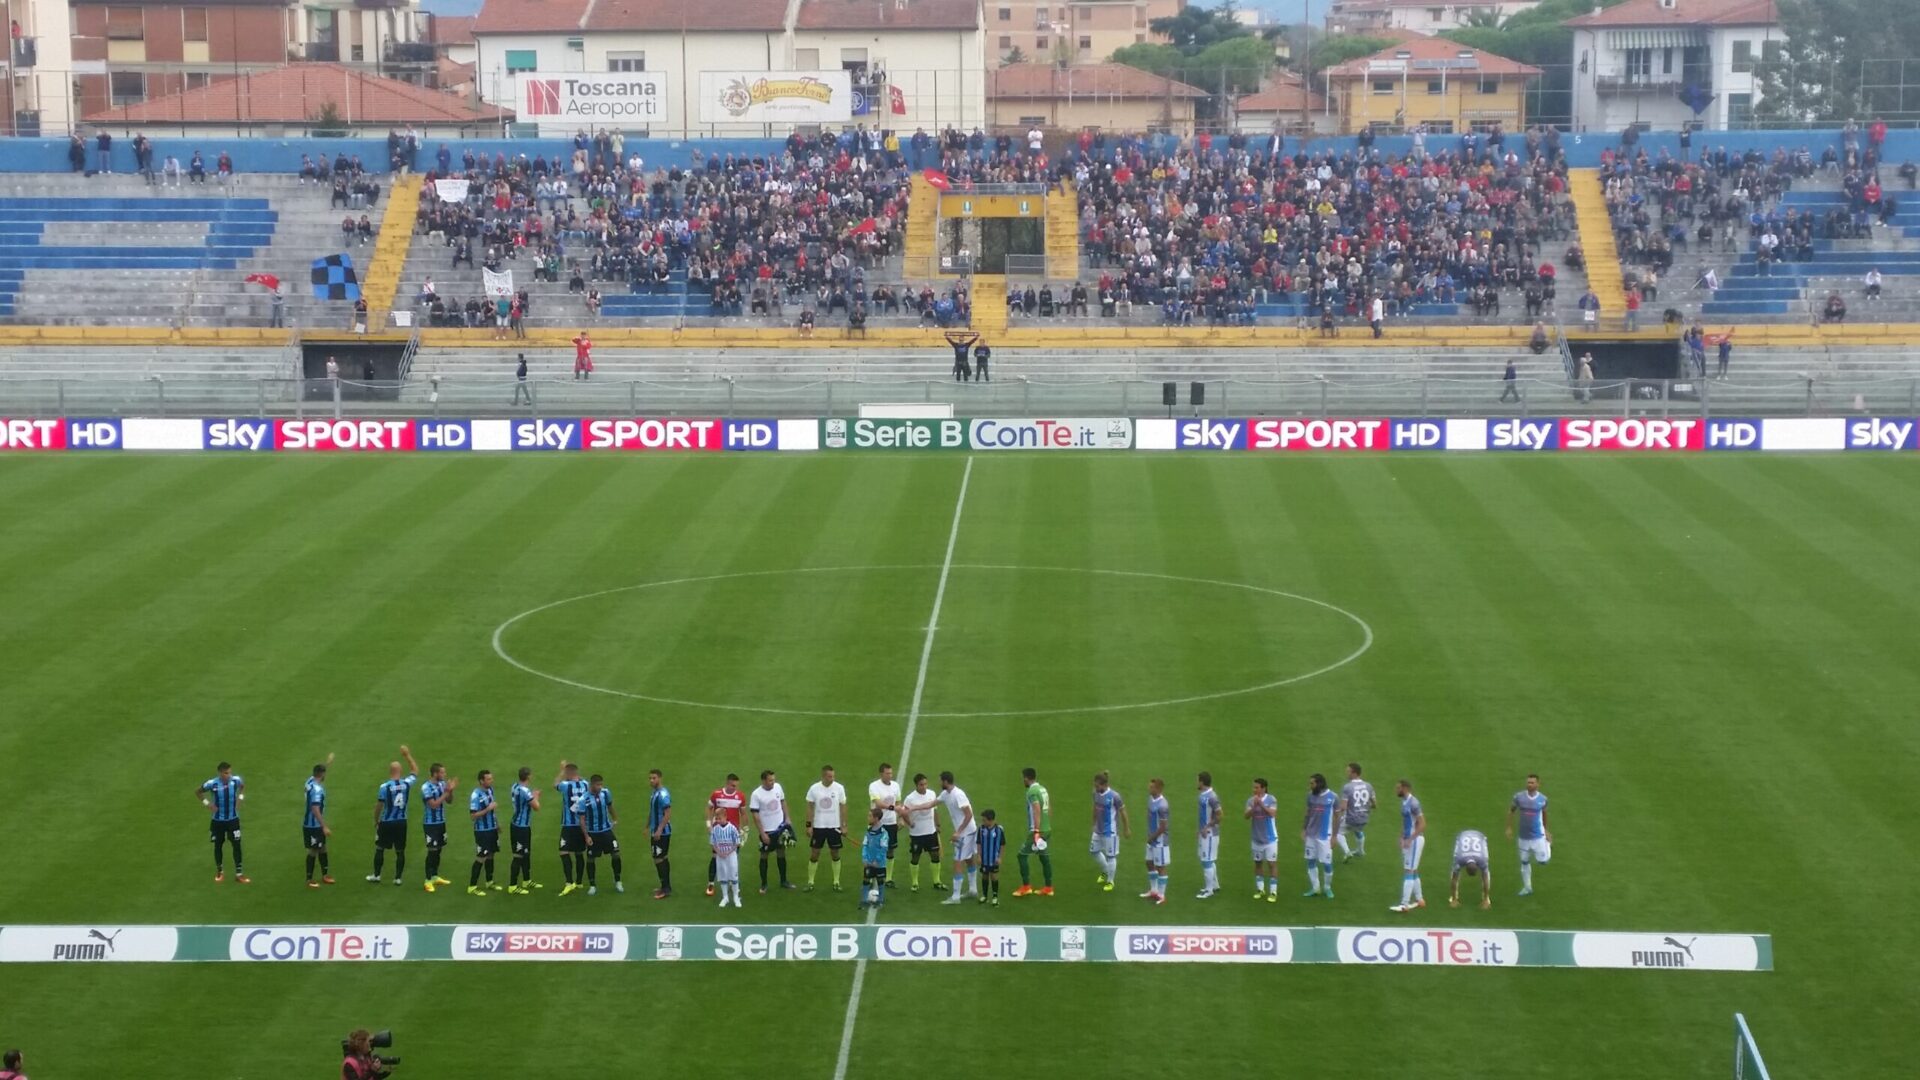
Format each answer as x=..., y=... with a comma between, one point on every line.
x=1197, y=394
x=1169, y=394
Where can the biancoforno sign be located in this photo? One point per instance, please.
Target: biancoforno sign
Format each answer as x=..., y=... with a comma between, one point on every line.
x=620, y=97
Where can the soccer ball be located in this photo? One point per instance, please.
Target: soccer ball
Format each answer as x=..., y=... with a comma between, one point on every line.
x=873, y=896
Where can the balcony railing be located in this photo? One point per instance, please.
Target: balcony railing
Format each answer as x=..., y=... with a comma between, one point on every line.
x=1652, y=84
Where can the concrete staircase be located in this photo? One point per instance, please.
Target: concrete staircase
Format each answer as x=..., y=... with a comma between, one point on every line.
x=381, y=280
x=922, y=244
x=1063, y=234
x=989, y=303
x=1596, y=241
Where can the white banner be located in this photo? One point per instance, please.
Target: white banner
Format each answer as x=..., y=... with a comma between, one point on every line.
x=951, y=943
x=775, y=97
x=87, y=944
x=498, y=282
x=593, y=99
x=1109, y=434
x=1210, y=944
x=1677, y=952
x=454, y=190
x=539, y=943
x=318, y=943
x=1442, y=948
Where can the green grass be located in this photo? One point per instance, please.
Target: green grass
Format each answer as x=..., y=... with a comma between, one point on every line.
x=1710, y=661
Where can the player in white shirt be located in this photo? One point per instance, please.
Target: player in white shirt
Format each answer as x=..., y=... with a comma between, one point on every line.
x=826, y=823
x=923, y=833
x=1209, y=818
x=769, y=806
x=724, y=836
x=883, y=794
x=1158, y=853
x=966, y=833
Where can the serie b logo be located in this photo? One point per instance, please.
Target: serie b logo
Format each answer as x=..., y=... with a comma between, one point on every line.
x=542, y=97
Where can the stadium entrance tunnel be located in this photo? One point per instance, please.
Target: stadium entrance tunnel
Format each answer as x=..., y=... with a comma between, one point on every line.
x=353, y=358
x=1636, y=367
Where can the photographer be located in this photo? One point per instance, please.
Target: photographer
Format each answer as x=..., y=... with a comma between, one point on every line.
x=360, y=1062
x=10, y=1066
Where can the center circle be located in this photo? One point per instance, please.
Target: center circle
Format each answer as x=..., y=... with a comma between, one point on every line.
x=1153, y=640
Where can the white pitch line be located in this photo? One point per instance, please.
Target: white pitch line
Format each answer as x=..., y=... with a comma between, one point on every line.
x=906, y=750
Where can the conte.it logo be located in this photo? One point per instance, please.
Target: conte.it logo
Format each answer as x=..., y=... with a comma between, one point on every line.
x=543, y=97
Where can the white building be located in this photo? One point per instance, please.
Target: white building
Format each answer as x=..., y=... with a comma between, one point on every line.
x=921, y=57
x=1633, y=62
x=1419, y=16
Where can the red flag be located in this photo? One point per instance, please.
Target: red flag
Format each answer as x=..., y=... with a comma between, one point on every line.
x=897, y=100
x=938, y=179
x=866, y=226
x=268, y=280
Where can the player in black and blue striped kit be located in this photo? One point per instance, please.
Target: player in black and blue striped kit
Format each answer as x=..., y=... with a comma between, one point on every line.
x=390, y=817
x=221, y=796
x=486, y=833
x=525, y=801
x=573, y=839
x=435, y=794
x=314, y=828
x=598, y=819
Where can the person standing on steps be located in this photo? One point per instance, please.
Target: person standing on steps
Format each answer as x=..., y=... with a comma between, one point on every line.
x=982, y=355
x=1510, y=380
x=582, y=357
x=962, y=342
x=521, y=391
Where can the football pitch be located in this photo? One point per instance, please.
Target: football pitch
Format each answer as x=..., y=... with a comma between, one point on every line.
x=1710, y=661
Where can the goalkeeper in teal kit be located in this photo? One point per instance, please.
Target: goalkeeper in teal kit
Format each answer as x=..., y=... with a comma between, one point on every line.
x=873, y=861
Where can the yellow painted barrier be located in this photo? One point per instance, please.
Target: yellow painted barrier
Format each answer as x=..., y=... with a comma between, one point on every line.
x=956, y=204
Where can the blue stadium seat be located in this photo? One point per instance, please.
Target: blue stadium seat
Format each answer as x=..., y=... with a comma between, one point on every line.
x=235, y=230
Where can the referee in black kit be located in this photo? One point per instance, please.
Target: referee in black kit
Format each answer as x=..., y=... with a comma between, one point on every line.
x=961, y=342
x=981, y=355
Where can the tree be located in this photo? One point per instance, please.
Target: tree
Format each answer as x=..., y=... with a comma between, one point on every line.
x=1330, y=51
x=326, y=121
x=1014, y=56
x=1484, y=19
x=1236, y=65
x=1196, y=28
x=1536, y=36
x=1836, y=52
x=1150, y=56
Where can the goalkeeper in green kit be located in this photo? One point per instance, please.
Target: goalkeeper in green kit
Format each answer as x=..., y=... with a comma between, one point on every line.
x=1039, y=836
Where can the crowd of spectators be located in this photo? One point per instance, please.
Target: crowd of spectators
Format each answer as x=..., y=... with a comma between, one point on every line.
x=1214, y=229
x=805, y=229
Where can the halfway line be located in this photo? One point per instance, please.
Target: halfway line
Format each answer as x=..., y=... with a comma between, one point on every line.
x=906, y=749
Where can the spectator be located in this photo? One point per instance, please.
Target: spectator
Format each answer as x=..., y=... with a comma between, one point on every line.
x=582, y=357
x=277, y=306
x=805, y=325
x=1583, y=378
x=1835, y=310
x=1539, y=342
x=77, y=154
x=1510, y=382
x=593, y=303
x=1377, y=315
x=333, y=370
x=521, y=391
x=197, y=168
x=104, y=142
x=1589, y=308
x=1633, y=309
x=1726, y=352
x=360, y=315
x=1873, y=283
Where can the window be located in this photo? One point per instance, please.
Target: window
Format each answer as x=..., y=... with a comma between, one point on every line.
x=626, y=61
x=1739, y=110
x=1770, y=51
x=1039, y=43
x=1086, y=14
x=125, y=24
x=1434, y=14
x=1006, y=42
x=1436, y=87
x=1743, y=56
x=519, y=60
x=197, y=79
x=1086, y=42
x=1033, y=121
x=195, y=24
x=1640, y=64
x=1666, y=61
x=1489, y=86
x=1383, y=86
x=1006, y=14
x=129, y=87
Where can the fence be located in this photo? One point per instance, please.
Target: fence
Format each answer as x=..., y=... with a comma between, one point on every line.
x=1010, y=397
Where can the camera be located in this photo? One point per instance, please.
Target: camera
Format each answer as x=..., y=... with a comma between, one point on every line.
x=379, y=1040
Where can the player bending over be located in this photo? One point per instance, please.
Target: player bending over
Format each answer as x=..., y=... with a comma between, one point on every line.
x=1470, y=854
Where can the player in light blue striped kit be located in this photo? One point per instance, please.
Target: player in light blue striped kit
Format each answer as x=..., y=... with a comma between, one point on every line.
x=1413, y=844
x=1321, y=823
x=1536, y=842
x=1109, y=826
x=1159, y=816
x=1261, y=808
